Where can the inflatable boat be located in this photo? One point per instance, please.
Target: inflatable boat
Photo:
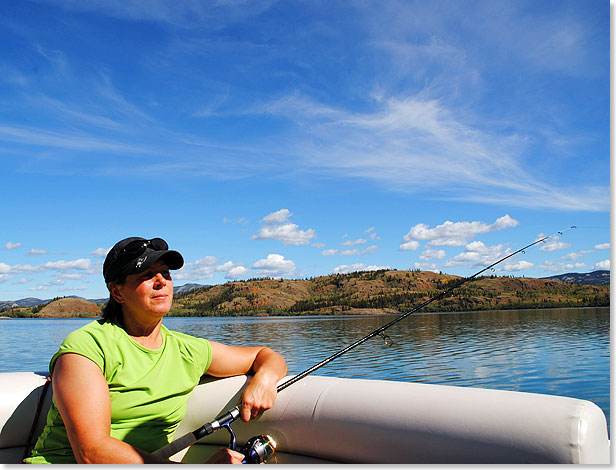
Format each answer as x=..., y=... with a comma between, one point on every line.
x=335, y=420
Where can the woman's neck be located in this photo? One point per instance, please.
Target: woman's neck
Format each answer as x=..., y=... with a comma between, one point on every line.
x=145, y=332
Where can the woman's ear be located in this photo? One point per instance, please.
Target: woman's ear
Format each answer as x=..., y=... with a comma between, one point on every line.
x=116, y=293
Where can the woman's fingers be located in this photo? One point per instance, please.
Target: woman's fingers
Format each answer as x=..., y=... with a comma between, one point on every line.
x=226, y=456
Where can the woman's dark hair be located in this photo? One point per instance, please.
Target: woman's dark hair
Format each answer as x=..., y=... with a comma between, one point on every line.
x=112, y=310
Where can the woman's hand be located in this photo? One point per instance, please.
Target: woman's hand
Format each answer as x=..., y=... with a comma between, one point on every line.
x=266, y=365
x=226, y=456
x=258, y=396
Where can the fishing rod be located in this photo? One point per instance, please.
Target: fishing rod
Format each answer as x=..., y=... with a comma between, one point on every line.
x=258, y=448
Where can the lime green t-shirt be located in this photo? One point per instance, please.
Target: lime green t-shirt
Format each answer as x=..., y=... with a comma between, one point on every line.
x=148, y=388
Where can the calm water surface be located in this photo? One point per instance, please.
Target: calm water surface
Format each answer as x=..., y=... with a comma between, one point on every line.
x=556, y=351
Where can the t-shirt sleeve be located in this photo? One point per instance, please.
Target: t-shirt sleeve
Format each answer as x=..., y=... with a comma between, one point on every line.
x=84, y=343
x=197, y=351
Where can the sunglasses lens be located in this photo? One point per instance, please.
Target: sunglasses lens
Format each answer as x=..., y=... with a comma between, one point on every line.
x=135, y=248
x=158, y=244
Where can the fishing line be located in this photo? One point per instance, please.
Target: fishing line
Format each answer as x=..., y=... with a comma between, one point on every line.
x=224, y=420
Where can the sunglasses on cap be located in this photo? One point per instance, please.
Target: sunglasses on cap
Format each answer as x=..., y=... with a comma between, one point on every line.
x=135, y=254
x=138, y=247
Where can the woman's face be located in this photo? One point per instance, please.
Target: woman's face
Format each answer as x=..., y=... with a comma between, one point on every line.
x=150, y=291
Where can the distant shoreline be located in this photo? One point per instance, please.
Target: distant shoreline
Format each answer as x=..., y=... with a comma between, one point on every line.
x=312, y=315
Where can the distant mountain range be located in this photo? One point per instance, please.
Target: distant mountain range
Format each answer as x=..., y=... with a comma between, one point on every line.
x=29, y=302
x=595, y=278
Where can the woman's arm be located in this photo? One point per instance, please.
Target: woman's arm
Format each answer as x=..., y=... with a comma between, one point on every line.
x=266, y=365
x=82, y=397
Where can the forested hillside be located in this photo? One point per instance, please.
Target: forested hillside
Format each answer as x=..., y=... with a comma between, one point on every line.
x=385, y=291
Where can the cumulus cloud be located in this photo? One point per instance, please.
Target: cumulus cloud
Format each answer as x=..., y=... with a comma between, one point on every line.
x=274, y=265
x=277, y=226
x=201, y=269
x=521, y=265
x=38, y=288
x=426, y=267
x=232, y=270
x=560, y=267
x=477, y=254
x=204, y=268
x=346, y=268
x=409, y=245
x=605, y=264
x=576, y=255
x=100, y=252
x=432, y=254
x=12, y=245
x=452, y=233
x=554, y=245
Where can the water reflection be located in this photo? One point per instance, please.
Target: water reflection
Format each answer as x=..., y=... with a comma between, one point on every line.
x=557, y=351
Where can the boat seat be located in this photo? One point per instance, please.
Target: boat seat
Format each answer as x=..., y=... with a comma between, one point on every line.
x=326, y=419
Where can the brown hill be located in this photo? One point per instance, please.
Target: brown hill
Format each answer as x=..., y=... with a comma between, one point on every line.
x=70, y=308
x=385, y=291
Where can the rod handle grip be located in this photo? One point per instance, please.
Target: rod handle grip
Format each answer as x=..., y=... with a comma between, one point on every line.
x=174, y=447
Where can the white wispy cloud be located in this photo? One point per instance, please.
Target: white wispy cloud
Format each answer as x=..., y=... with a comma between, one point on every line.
x=12, y=245
x=276, y=226
x=236, y=220
x=34, y=252
x=357, y=251
x=359, y=241
x=602, y=246
x=61, y=265
x=274, y=265
x=406, y=143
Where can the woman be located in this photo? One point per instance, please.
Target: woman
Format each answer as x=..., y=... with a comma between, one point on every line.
x=120, y=384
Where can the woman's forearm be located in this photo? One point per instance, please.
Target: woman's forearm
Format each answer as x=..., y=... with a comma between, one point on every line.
x=259, y=395
x=108, y=450
x=270, y=364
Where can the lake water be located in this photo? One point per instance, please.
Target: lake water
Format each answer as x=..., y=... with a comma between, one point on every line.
x=554, y=351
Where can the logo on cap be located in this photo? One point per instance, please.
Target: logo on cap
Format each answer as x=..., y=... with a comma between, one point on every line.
x=140, y=261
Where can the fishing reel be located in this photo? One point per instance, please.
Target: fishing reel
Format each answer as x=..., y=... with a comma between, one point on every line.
x=256, y=450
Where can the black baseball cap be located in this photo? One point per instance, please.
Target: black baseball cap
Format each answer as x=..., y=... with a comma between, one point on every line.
x=135, y=254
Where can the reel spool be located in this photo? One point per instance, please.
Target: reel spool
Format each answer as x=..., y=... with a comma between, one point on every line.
x=258, y=449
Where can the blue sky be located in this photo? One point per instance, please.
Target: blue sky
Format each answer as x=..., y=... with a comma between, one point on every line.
x=302, y=138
